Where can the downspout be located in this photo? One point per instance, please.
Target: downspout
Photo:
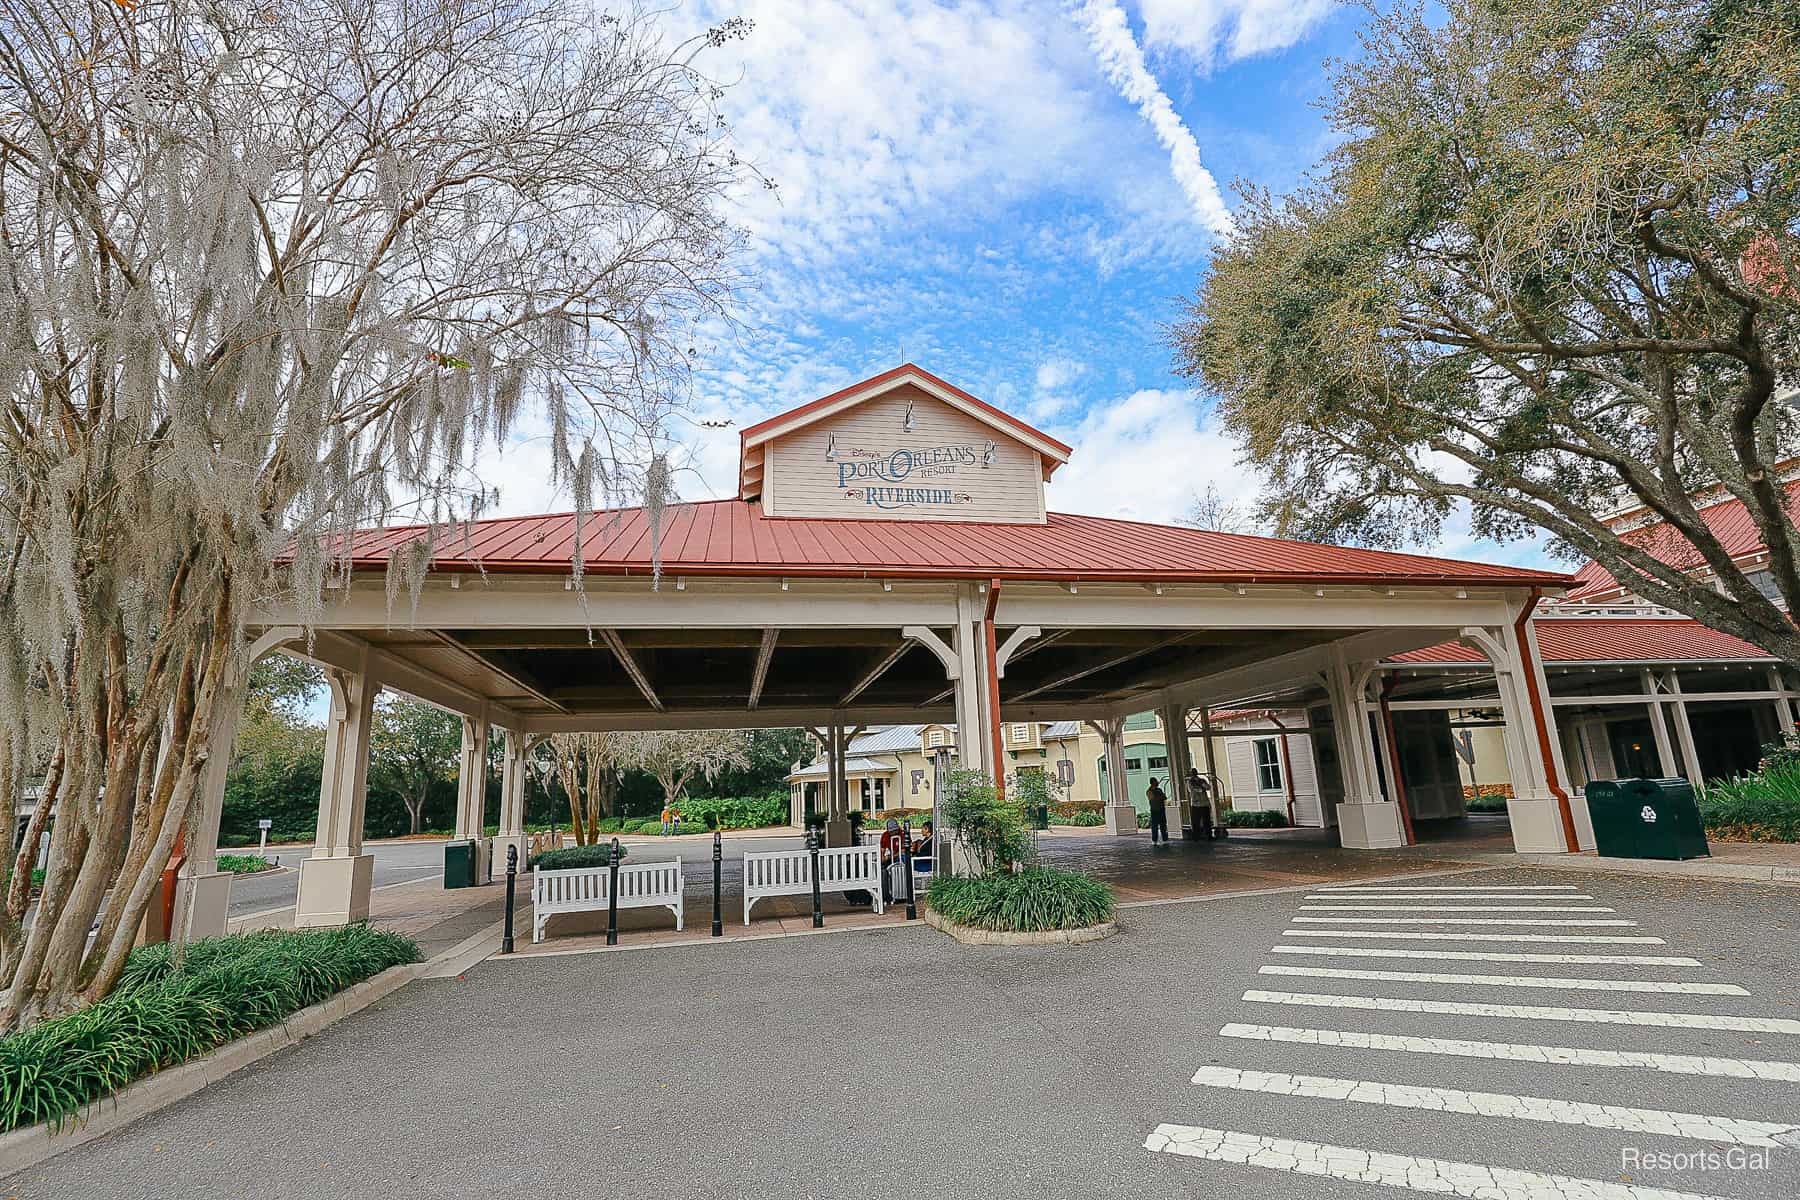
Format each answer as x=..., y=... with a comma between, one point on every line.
x=1543, y=728
x=1287, y=766
x=1393, y=745
x=990, y=649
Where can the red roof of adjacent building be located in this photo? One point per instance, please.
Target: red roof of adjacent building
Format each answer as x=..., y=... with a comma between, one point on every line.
x=733, y=537
x=1729, y=521
x=1610, y=639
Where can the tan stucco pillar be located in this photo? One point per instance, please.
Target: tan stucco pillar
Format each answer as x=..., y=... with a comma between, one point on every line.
x=1368, y=818
x=512, y=804
x=1535, y=809
x=1185, y=816
x=1121, y=813
x=202, y=891
x=335, y=881
x=471, y=790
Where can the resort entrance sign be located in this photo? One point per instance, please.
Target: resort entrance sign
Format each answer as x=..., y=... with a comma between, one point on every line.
x=905, y=446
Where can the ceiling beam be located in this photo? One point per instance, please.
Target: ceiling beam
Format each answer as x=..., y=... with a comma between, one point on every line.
x=1094, y=669
x=877, y=671
x=528, y=686
x=611, y=637
x=763, y=656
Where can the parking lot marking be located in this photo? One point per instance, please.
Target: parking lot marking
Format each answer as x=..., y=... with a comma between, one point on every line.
x=1458, y=908
x=1699, y=1126
x=1530, y=1012
x=1442, y=1177
x=1460, y=887
x=1565, y=921
x=1585, y=939
x=1457, y=898
x=1568, y=1056
x=1634, y=960
x=1521, y=981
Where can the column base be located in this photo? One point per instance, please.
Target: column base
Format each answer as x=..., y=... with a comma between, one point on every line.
x=1374, y=826
x=1121, y=819
x=501, y=842
x=837, y=833
x=201, y=904
x=1537, y=824
x=334, y=891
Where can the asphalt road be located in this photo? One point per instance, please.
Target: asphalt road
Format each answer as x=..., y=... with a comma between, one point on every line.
x=395, y=862
x=900, y=1063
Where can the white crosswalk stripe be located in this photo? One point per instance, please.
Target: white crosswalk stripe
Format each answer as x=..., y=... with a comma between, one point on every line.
x=1459, y=908
x=1442, y=1177
x=1459, y=897
x=1573, y=922
x=1458, y=887
x=1529, y=1012
x=1699, y=1126
x=1564, y=939
x=1519, y=981
x=1633, y=960
x=1573, y=1056
x=1420, y=937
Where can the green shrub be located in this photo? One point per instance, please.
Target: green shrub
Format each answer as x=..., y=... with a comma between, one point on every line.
x=160, y=1015
x=1762, y=807
x=1256, y=818
x=1077, y=818
x=1485, y=804
x=243, y=864
x=992, y=829
x=570, y=857
x=1033, y=900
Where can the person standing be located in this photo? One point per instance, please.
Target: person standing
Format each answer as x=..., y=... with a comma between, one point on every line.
x=1159, y=812
x=675, y=819
x=668, y=817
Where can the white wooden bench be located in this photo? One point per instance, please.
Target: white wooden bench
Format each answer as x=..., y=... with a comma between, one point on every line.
x=789, y=873
x=583, y=889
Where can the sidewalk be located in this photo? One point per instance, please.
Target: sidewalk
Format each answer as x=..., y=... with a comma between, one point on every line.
x=1766, y=862
x=425, y=910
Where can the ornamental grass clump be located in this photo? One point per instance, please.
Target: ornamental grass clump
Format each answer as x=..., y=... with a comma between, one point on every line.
x=1035, y=900
x=164, y=1012
x=1760, y=807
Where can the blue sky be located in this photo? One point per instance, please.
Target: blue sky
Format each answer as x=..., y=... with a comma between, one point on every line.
x=1015, y=195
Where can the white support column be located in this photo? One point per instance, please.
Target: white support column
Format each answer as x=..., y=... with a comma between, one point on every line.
x=1534, y=810
x=1684, y=731
x=837, y=826
x=975, y=718
x=471, y=789
x=335, y=881
x=1784, y=711
x=512, y=804
x=1659, y=725
x=1213, y=784
x=202, y=891
x=1174, y=722
x=1121, y=813
x=1367, y=819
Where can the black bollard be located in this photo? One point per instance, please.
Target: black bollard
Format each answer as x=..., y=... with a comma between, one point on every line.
x=812, y=846
x=912, y=903
x=612, y=894
x=512, y=873
x=718, y=929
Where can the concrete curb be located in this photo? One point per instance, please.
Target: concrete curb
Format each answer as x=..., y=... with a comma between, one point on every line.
x=971, y=936
x=1693, y=868
x=22, y=1148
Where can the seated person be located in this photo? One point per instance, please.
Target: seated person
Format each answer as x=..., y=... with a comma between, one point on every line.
x=924, y=847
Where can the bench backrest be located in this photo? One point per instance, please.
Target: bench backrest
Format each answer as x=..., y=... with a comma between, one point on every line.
x=638, y=883
x=789, y=872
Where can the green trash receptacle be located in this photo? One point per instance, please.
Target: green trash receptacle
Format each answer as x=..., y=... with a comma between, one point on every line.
x=1646, y=818
x=459, y=864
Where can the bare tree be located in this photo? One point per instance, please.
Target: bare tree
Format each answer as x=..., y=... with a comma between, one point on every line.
x=589, y=766
x=274, y=271
x=675, y=758
x=1209, y=509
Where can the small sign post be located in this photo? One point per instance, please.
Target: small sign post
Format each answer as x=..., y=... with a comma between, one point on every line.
x=262, y=842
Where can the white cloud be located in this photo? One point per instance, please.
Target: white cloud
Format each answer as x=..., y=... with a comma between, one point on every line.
x=1144, y=457
x=1123, y=59
x=1210, y=31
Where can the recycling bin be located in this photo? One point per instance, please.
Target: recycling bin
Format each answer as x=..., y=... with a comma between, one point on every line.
x=460, y=864
x=1646, y=818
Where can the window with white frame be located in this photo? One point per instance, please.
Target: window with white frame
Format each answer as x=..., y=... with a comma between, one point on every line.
x=1268, y=765
x=934, y=739
x=1021, y=733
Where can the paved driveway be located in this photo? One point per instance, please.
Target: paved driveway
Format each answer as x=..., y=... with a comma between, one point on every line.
x=899, y=1063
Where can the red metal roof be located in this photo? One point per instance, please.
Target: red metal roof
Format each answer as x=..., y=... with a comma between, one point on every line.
x=733, y=537
x=1729, y=522
x=1610, y=639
